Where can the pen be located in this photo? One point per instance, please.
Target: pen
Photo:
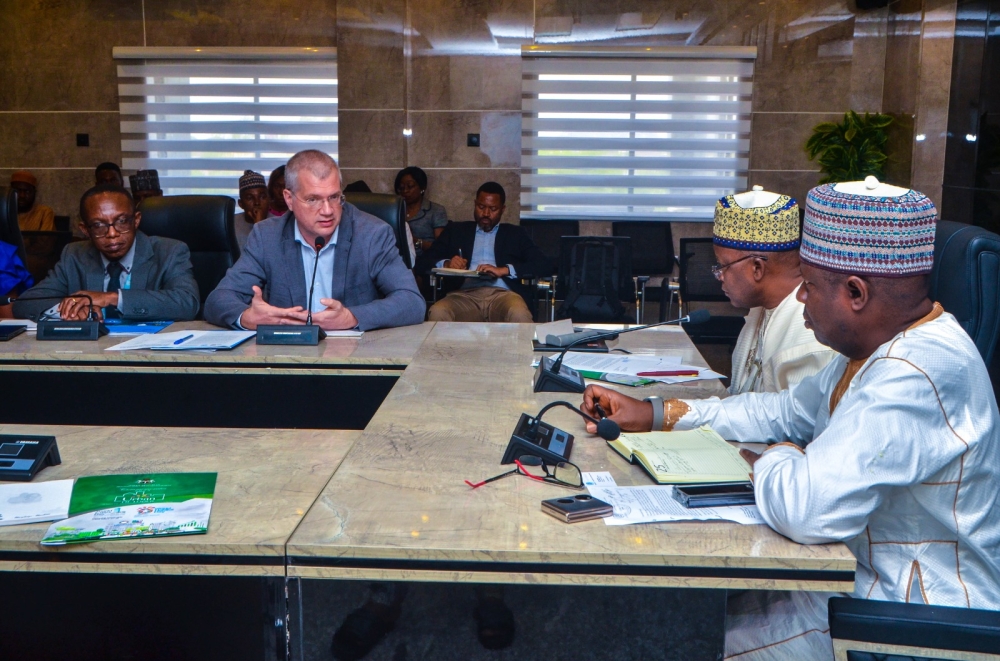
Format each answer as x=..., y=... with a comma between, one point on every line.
x=183, y=339
x=600, y=410
x=670, y=373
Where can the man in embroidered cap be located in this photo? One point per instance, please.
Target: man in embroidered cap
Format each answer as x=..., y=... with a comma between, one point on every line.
x=254, y=202
x=145, y=183
x=31, y=217
x=893, y=448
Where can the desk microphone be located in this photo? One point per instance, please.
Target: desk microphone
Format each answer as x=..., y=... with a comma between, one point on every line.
x=320, y=242
x=551, y=376
x=607, y=428
x=308, y=335
x=91, y=329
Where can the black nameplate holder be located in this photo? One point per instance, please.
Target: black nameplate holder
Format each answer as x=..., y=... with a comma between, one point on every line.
x=300, y=335
x=70, y=330
x=21, y=457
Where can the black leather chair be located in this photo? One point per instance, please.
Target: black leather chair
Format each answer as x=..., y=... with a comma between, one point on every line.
x=866, y=630
x=587, y=266
x=10, y=231
x=652, y=259
x=547, y=235
x=697, y=284
x=966, y=281
x=392, y=210
x=205, y=224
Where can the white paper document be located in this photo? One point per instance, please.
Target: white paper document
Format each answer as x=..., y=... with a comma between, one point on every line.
x=34, y=502
x=656, y=504
x=185, y=341
x=344, y=333
x=599, y=479
x=634, y=364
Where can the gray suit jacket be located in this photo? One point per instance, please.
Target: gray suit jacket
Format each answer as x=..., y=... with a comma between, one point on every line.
x=369, y=276
x=162, y=286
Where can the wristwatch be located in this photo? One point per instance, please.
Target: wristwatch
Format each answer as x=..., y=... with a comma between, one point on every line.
x=657, y=403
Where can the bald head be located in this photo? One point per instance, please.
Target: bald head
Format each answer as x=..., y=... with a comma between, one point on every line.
x=319, y=164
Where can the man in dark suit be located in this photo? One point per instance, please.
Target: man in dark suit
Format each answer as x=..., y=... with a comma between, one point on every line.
x=501, y=253
x=361, y=281
x=126, y=273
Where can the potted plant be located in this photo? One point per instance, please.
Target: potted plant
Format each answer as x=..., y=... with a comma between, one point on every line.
x=852, y=149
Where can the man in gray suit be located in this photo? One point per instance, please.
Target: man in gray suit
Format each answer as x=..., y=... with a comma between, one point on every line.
x=126, y=273
x=361, y=281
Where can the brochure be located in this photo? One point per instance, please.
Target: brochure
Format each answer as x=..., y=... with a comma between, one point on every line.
x=130, y=506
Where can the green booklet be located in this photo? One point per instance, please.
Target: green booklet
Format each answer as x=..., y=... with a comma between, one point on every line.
x=130, y=506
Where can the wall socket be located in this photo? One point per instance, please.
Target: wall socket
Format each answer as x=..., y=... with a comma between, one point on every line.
x=82, y=139
x=472, y=140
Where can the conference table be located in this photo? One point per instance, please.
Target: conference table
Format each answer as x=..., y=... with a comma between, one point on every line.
x=389, y=503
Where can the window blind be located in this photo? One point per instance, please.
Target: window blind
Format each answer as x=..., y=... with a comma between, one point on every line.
x=201, y=116
x=633, y=133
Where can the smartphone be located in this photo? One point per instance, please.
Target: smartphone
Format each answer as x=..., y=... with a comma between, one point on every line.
x=715, y=495
x=7, y=331
x=572, y=509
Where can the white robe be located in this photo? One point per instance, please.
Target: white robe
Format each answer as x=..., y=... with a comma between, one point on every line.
x=788, y=354
x=906, y=472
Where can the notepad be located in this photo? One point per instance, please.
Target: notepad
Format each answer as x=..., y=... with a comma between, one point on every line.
x=464, y=273
x=699, y=456
x=186, y=341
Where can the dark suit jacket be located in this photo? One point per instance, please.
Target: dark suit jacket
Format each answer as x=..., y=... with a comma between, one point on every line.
x=162, y=286
x=369, y=276
x=513, y=246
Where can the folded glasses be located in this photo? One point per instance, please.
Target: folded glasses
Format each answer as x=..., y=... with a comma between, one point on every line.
x=562, y=473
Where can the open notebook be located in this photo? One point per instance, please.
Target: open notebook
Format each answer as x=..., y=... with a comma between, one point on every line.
x=699, y=456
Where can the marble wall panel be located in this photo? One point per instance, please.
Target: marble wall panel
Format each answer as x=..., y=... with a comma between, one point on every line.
x=440, y=139
x=241, y=23
x=372, y=138
x=57, y=55
x=777, y=140
x=466, y=83
x=370, y=63
x=456, y=190
x=48, y=139
x=380, y=180
x=59, y=188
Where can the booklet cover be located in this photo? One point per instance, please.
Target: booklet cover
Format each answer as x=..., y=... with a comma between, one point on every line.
x=128, y=506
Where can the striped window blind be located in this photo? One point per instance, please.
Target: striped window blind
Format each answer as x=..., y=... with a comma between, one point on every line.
x=201, y=116
x=633, y=133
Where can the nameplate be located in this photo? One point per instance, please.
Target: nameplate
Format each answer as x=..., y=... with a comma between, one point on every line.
x=302, y=335
x=70, y=330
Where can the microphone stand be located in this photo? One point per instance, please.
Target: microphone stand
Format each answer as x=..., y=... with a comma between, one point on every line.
x=308, y=335
x=90, y=329
x=552, y=376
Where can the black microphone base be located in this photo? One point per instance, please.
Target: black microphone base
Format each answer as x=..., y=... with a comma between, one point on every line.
x=70, y=330
x=550, y=443
x=279, y=334
x=566, y=380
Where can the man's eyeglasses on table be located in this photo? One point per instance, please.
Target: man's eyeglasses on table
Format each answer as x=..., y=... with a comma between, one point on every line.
x=563, y=473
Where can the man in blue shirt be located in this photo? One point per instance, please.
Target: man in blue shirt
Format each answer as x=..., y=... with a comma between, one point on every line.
x=501, y=253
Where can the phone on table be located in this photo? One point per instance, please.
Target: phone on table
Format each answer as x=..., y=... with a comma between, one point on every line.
x=715, y=495
x=7, y=331
x=573, y=509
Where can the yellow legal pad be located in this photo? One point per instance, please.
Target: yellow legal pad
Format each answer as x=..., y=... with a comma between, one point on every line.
x=698, y=456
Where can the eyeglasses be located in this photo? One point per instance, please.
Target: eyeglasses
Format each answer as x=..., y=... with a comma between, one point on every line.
x=563, y=473
x=317, y=202
x=122, y=225
x=718, y=269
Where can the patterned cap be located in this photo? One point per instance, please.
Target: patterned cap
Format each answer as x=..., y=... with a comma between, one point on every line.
x=769, y=229
x=251, y=179
x=145, y=180
x=24, y=177
x=880, y=236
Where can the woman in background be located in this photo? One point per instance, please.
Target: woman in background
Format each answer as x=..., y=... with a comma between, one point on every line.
x=425, y=218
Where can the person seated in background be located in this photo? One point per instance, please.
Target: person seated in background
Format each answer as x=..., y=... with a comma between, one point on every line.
x=108, y=174
x=276, y=192
x=145, y=183
x=361, y=281
x=254, y=202
x=425, y=219
x=893, y=448
x=756, y=242
x=499, y=252
x=31, y=217
x=14, y=277
x=126, y=273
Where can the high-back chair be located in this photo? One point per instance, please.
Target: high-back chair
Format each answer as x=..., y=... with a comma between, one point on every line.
x=392, y=210
x=205, y=224
x=10, y=231
x=698, y=284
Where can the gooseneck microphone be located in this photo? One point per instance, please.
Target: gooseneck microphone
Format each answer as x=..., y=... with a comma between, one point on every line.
x=551, y=376
x=91, y=329
x=607, y=428
x=320, y=242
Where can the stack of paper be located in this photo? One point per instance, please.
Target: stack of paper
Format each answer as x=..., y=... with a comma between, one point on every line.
x=186, y=341
x=634, y=369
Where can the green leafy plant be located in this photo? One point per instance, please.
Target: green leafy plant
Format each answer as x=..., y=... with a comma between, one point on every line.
x=852, y=149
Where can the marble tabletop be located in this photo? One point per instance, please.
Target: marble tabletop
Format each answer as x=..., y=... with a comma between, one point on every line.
x=398, y=507
x=267, y=481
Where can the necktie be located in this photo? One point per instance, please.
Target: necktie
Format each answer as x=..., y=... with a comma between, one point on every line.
x=114, y=284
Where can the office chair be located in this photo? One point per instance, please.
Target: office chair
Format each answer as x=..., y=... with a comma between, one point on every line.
x=697, y=284
x=868, y=630
x=966, y=282
x=547, y=235
x=652, y=259
x=205, y=224
x=392, y=210
x=10, y=231
x=595, y=278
